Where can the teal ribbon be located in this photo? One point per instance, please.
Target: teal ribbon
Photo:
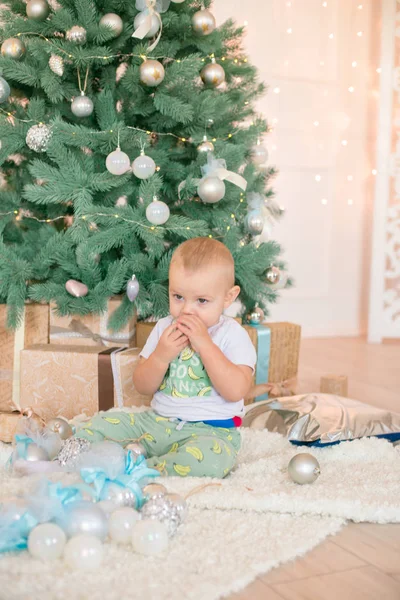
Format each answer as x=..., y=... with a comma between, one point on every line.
x=263, y=356
x=22, y=442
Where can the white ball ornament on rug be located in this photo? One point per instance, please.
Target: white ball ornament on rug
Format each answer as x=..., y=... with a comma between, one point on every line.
x=120, y=496
x=5, y=90
x=149, y=537
x=84, y=518
x=132, y=290
x=213, y=74
x=211, y=189
x=155, y=23
x=82, y=106
x=157, y=212
x=152, y=72
x=35, y=453
x=37, y=10
x=113, y=22
x=76, y=288
x=84, y=552
x=303, y=468
x=38, y=137
x=143, y=166
x=13, y=48
x=121, y=524
x=118, y=163
x=46, y=541
x=76, y=35
x=203, y=22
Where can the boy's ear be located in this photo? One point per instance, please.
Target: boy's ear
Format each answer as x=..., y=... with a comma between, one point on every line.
x=231, y=295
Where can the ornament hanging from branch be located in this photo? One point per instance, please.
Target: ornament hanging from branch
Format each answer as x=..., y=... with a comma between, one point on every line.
x=213, y=74
x=152, y=73
x=157, y=212
x=148, y=22
x=38, y=137
x=112, y=22
x=13, y=48
x=76, y=35
x=56, y=64
x=132, y=288
x=143, y=166
x=203, y=22
x=76, y=288
x=5, y=90
x=37, y=10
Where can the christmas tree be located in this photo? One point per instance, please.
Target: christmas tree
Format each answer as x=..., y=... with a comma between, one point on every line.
x=125, y=129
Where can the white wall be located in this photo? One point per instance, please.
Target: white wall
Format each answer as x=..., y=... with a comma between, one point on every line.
x=309, y=74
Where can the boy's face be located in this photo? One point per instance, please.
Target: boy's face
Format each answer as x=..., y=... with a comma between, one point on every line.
x=204, y=293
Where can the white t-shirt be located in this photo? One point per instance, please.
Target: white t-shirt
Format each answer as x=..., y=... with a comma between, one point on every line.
x=187, y=392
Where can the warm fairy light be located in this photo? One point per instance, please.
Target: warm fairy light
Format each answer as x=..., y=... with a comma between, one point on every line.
x=324, y=201
x=289, y=30
x=318, y=178
x=316, y=123
x=350, y=201
x=359, y=33
x=321, y=63
x=324, y=4
x=277, y=90
x=349, y=177
x=374, y=172
x=354, y=63
x=344, y=142
x=379, y=70
x=331, y=36
x=351, y=89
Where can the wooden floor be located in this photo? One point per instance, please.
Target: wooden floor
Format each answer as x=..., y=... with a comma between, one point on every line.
x=362, y=562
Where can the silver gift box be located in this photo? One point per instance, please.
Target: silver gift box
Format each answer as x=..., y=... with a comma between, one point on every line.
x=321, y=417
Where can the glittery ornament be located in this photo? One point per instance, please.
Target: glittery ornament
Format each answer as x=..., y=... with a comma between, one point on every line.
x=5, y=90
x=273, y=275
x=152, y=73
x=76, y=34
x=56, y=64
x=203, y=22
x=254, y=318
x=13, y=48
x=205, y=146
x=119, y=495
x=153, y=490
x=213, y=74
x=71, y=450
x=132, y=290
x=180, y=504
x=38, y=137
x=164, y=510
x=37, y=10
x=113, y=22
x=82, y=106
x=303, y=468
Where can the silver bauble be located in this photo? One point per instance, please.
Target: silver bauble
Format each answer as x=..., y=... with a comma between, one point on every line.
x=113, y=22
x=203, y=22
x=151, y=73
x=118, y=162
x=71, y=451
x=205, y=146
x=38, y=10
x=76, y=34
x=119, y=495
x=82, y=106
x=143, y=166
x=84, y=517
x=303, y=468
x=137, y=449
x=213, y=74
x=254, y=318
x=38, y=138
x=5, y=90
x=157, y=212
x=273, y=275
x=254, y=222
x=163, y=510
x=35, y=453
x=211, y=189
x=155, y=24
x=259, y=154
x=180, y=504
x=56, y=64
x=13, y=48
x=153, y=490
x=60, y=426
x=132, y=290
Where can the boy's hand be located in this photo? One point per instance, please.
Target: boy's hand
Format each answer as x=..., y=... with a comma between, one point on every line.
x=170, y=344
x=195, y=330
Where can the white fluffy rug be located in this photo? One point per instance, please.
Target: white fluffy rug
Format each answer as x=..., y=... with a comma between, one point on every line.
x=255, y=520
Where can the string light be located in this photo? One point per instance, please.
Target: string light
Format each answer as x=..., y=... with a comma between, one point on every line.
x=324, y=201
x=360, y=7
x=374, y=172
x=289, y=30
x=344, y=142
x=316, y=123
x=351, y=89
x=350, y=201
x=276, y=90
x=359, y=33
x=354, y=63
x=331, y=36
x=324, y=4
x=379, y=70
x=349, y=177
x=318, y=178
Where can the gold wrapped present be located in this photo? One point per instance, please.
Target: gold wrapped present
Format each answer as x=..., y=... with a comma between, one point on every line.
x=34, y=329
x=91, y=329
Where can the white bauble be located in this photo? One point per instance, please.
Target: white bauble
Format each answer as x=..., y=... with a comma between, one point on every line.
x=84, y=552
x=155, y=24
x=157, y=212
x=118, y=162
x=259, y=154
x=113, y=22
x=46, y=541
x=121, y=524
x=211, y=189
x=82, y=106
x=149, y=537
x=37, y=10
x=143, y=166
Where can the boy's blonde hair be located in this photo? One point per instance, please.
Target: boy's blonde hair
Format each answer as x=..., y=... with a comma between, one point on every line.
x=202, y=252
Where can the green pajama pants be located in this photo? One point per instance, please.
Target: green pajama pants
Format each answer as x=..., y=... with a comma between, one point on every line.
x=173, y=447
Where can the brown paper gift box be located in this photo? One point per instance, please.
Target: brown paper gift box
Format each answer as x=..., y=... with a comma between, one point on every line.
x=91, y=329
x=34, y=330
x=70, y=380
x=8, y=425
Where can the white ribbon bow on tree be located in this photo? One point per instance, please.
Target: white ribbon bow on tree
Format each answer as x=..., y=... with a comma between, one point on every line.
x=150, y=11
x=216, y=167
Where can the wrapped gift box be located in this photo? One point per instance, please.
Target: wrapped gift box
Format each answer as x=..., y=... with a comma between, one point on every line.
x=8, y=425
x=70, y=380
x=34, y=329
x=91, y=329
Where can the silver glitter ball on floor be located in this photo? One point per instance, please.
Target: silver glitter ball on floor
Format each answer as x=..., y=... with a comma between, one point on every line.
x=119, y=495
x=71, y=450
x=38, y=137
x=303, y=468
x=153, y=490
x=162, y=509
